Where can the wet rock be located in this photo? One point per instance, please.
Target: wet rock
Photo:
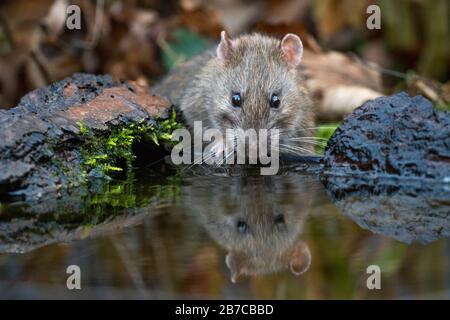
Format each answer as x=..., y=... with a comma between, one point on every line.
x=389, y=139
x=40, y=139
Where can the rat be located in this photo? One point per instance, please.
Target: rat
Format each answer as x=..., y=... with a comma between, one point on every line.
x=250, y=82
x=259, y=220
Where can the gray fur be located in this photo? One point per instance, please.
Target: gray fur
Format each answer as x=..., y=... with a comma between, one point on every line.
x=202, y=90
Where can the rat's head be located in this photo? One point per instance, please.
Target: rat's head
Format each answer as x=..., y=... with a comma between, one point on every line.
x=257, y=219
x=256, y=84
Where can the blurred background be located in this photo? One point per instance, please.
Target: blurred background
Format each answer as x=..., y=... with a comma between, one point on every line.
x=142, y=39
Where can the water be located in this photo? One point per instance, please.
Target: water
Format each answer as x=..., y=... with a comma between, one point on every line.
x=189, y=234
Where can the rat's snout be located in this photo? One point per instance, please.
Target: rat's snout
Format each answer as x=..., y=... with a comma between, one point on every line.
x=258, y=120
x=252, y=150
x=255, y=111
x=251, y=145
x=245, y=146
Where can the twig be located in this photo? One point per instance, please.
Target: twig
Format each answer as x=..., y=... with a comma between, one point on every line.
x=374, y=66
x=41, y=68
x=8, y=36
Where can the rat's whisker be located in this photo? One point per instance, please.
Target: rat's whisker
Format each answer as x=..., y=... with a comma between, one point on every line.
x=317, y=143
x=297, y=149
x=309, y=140
x=315, y=138
x=319, y=127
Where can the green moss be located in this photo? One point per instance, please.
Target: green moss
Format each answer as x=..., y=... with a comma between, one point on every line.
x=84, y=130
x=443, y=106
x=97, y=203
x=129, y=194
x=111, y=197
x=105, y=154
x=324, y=132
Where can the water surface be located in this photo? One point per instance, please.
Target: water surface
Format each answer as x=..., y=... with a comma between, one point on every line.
x=226, y=235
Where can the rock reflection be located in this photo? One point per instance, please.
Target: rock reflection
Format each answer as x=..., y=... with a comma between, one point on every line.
x=87, y=212
x=408, y=211
x=257, y=219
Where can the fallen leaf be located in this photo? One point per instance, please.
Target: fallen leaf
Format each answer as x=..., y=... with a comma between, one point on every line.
x=339, y=83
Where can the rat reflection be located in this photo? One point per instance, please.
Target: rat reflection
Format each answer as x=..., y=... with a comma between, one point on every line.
x=258, y=219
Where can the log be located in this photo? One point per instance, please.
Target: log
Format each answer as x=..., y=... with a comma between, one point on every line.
x=48, y=142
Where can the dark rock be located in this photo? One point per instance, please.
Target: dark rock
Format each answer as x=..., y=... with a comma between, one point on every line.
x=40, y=139
x=387, y=167
x=389, y=140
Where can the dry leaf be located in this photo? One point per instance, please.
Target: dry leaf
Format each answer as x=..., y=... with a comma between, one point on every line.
x=55, y=20
x=338, y=83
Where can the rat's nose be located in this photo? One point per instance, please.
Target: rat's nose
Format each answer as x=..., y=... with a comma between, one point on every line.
x=252, y=150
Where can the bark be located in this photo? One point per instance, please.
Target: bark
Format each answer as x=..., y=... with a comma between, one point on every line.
x=40, y=139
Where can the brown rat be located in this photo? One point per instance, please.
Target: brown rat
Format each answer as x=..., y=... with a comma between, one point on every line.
x=259, y=220
x=252, y=81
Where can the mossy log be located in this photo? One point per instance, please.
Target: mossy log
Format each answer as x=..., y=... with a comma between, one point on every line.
x=55, y=138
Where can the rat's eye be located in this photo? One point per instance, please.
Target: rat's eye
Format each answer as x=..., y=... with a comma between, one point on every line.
x=279, y=222
x=236, y=100
x=274, y=101
x=242, y=227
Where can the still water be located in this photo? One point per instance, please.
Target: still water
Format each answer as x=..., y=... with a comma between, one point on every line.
x=226, y=235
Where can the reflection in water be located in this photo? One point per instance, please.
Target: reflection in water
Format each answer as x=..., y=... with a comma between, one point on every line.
x=258, y=219
x=182, y=236
x=409, y=212
x=99, y=209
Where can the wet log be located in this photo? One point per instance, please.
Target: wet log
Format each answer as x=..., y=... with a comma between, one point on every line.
x=42, y=139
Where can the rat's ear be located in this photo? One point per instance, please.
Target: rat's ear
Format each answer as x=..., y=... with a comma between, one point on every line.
x=300, y=259
x=292, y=49
x=225, y=48
x=234, y=263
